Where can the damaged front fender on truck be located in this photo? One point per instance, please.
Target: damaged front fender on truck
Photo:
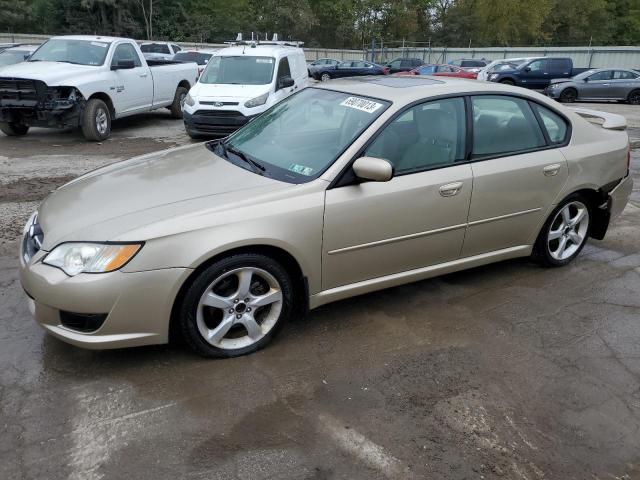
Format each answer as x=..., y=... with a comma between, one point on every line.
x=33, y=103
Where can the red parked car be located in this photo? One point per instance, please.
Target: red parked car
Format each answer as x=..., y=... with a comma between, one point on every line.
x=441, y=70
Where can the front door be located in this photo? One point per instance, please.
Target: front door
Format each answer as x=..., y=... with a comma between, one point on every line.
x=536, y=74
x=517, y=174
x=418, y=218
x=133, y=87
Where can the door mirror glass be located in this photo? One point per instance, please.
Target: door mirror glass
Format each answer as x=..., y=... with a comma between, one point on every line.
x=527, y=69
x=586, y=79
x=123, y=65
x=285, y=82
x=375, y=169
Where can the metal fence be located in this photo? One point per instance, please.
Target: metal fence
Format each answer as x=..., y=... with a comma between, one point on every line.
x=583, y=57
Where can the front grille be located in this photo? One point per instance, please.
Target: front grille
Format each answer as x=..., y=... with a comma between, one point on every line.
x=32, y=241
x=221, y=104
x=82, y=322
x=20, y=90
x=219, y=113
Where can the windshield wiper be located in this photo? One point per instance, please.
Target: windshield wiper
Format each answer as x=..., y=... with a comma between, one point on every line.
x=227, y=147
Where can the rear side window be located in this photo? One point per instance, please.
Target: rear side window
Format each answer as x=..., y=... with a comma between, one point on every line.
x=427, y=136
x=623, y=75
x=559, y=65
x=503, y=125
x=554, y=124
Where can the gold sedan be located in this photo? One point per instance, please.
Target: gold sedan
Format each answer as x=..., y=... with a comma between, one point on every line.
x=341, y=189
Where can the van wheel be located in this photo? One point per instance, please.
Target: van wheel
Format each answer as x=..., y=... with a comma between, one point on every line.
x=96, y=121
x=236, y=306
x=178, y=101
x=634, y=97
x=564, y=234
x=569, y=95
x=13, y=129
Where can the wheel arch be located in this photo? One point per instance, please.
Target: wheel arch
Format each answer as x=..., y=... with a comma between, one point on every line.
x=107, y=100
x=282, y=256
x=596, y=197
x=184, y=83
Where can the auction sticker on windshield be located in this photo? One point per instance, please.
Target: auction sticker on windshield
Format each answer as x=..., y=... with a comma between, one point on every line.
x=361, y=104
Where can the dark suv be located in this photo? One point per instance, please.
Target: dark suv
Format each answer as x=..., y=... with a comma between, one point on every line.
x=404, y=64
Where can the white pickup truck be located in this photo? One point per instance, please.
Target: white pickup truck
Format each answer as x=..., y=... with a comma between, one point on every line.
x=86, y=81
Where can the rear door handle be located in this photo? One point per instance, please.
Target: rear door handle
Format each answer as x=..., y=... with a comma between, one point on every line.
x=143, y=75
x=450, y=189
x=551, y=170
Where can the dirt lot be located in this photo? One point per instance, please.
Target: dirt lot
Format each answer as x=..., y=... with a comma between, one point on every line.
x=505, y=371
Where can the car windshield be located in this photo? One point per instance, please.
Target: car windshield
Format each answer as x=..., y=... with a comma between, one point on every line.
x=9, y=57
x=299, y=138
x=81, y=52
x=240, y=70
x=198, y=57
x=155, y=48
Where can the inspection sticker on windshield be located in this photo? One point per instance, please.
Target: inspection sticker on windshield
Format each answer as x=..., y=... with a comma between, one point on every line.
x=264, y=60
x=301, y=169
x=361, y=104
x=98, y=44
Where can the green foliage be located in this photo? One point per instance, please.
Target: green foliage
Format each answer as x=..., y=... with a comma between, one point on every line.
x=339, y=23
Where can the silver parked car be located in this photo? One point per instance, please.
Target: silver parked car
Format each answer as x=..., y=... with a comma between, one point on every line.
x=597, y=84
x=341, y=189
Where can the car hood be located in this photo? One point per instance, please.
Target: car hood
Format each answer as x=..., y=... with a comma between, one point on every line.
x=106, y=203
x=51, y=73
x=216, y=90
x=560, y=80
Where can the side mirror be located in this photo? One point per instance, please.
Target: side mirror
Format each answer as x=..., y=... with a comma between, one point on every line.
x=527, y=69
x=285, y=82
x=586, y=79
x=124, y=65
x=375, y=169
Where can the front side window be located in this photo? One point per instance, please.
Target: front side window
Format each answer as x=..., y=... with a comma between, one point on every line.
x=300, y=137
x=554, y=124
x=126, y=52
x=241, y=70
x=80, y=52
x=537, y=66
x=395, y=64
x=283, y=68
x=430, y=135
x=503, y=125
x=428, y=70
x=604, y=75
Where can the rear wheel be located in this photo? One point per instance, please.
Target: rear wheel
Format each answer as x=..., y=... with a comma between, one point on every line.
x=634, y=97
x=236, y=306
x=96, y=121
x=507, y=81
x=565, y=233
x=569, y=95
x=325, y=77
x=178, y=101
x=13, y=129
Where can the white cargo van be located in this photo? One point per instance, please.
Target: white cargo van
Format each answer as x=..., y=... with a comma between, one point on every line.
x=240, y=82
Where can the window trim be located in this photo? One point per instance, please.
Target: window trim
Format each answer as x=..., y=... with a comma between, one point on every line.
x=342, y=179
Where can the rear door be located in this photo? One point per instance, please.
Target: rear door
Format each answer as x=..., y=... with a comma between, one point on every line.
x=597, y=85
x=134, y=86
x=418, y=218
x=518, y=171
x=622, y=82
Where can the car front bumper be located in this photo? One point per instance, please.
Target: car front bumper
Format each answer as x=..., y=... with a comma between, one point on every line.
x=552, y=92
x=132, y=309
x=217, y=123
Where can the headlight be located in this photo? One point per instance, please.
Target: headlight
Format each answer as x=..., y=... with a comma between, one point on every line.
x=493, y=76
x=75, y=258
x=256, y=102
x=188, y=100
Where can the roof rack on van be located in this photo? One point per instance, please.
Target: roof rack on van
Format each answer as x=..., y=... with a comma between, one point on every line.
x=256, y=41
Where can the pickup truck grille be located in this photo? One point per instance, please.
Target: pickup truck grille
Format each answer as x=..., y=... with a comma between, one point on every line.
x=20, y=90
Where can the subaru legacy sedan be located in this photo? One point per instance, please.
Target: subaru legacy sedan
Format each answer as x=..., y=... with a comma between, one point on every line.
x=339, y=190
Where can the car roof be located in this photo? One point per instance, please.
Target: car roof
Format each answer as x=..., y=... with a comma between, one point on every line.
x=407, y=89
x=260, y=50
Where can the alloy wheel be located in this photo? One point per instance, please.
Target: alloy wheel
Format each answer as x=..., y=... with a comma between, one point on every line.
x=325, y=77
x=568, y=231
x=101, y=121
x=239, y=308
x=634, y=98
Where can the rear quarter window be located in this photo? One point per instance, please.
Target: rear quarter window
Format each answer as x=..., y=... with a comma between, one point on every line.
x=554, y=124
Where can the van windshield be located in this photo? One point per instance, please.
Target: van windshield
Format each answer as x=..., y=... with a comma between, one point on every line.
x=239, y=70
x=299, y=138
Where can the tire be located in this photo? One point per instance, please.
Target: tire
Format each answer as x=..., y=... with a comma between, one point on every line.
x=634, y=97
x=13, y=129
x=568, y=95
x=213, y=306
x=178, y=100
x=565, y=232
x=96, y=121
x=325, y=77
x=507, y=81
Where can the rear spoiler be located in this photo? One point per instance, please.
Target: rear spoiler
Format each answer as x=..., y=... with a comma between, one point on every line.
x=610, y=121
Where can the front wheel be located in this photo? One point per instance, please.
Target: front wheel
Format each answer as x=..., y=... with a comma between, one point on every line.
x=236, y=306
x=96, y=121
x=13, y=129
x=178, y=102
x=568, y=95
x=565, y=233
x=325, y=77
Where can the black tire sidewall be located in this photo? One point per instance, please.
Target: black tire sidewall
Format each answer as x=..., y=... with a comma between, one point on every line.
x=565, y=99
x=541, y=250
x=176, y=107
x=13, y=129
x=89, y=129
x=631, y=96
x=508, y=82
x=189, y=305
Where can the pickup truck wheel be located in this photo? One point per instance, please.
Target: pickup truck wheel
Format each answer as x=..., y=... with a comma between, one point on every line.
x=569, y=95
x=13, y=129
x=634, y=97
x=507, y=81
x=96, y=122
x=178, y=100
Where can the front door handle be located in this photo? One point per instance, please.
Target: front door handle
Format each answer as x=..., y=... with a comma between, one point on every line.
x=450, y=189
x=143, y=75
x=551, y=170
